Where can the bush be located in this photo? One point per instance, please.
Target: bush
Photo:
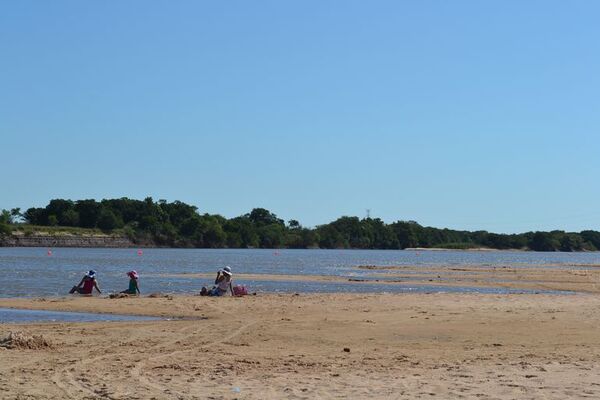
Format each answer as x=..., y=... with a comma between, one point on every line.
x=5, y=229
x=52, y=220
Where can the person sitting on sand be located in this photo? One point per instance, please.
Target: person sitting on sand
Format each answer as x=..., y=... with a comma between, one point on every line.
x=87, y=284
x=222, y=284
x=133, y=283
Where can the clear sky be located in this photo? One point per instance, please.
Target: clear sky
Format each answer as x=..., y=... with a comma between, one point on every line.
x=461, y=114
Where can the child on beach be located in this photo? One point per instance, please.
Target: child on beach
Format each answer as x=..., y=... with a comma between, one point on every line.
x=223, y=283
x=87, y=284
x=133, y=283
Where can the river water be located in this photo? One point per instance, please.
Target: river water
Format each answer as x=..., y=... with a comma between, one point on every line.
x=34, y=272
x=10, y=315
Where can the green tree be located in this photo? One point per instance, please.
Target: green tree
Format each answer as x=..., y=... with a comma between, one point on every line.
x=107, y=220
x=406, y=233
x=213, y=234
x=70, y=218
x=89, y=212
x=36, y=216
x=179, y=224
x=543, y=241
x=242, y=231
x=5, y=221
x=571, y=242
x=150, y=224
x=5, y=217
x=355, y=234
x=383, y=236
x=58, y=207
x=190, y=226
x=592, y=237
x=294, y=224
x=234, y=240
x=497, y=241
x=52, y=220
x=15, y=215
x=261, y=217
x=331, y=238
x=271, y=236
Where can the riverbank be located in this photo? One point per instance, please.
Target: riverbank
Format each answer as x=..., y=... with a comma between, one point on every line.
x=314, y=346
x=48, y=237
x=63, y=236
x=78, y=241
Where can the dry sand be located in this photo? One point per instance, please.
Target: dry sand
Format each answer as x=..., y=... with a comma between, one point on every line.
x=380, y=346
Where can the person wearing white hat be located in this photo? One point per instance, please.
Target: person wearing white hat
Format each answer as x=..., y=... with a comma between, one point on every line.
x=223, y=284
x=87, y=284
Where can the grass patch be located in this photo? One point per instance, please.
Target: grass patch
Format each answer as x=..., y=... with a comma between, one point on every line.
x=457, y=246
x=34, y=230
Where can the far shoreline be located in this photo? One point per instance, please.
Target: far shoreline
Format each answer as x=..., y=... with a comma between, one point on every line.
x=112, y=241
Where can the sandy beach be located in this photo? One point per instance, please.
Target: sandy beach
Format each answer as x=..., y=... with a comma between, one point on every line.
x=401, y=195
x=383, y=346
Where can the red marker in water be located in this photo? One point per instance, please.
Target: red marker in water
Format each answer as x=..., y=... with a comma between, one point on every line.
x=140, y=252
x=49, y=253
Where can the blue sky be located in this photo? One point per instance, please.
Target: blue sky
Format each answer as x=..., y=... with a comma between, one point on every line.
x=463, y=114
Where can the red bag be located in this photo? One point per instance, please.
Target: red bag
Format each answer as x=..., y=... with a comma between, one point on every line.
x=240, y=290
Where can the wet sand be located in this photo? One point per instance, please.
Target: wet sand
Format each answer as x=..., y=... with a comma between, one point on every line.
x=382, y=346
x=577, y=278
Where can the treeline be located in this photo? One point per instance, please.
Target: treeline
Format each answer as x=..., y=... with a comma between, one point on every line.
x=178, y=224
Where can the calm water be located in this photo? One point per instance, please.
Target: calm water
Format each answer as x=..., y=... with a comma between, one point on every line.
x=30, y=272
x=9, y=315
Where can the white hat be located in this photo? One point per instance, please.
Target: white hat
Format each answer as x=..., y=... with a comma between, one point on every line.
x=226, y=270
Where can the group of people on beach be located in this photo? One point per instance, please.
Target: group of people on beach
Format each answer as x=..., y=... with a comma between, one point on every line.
x=89, y=282
x=223, y=284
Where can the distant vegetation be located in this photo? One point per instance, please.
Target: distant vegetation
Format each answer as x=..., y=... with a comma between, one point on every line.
x=178, y=224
